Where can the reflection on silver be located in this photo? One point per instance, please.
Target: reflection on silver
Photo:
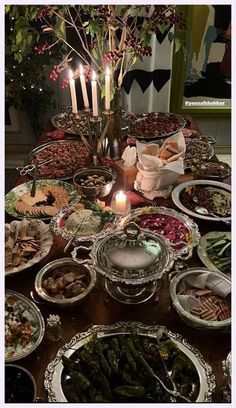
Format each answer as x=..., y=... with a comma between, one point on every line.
x=52, y=377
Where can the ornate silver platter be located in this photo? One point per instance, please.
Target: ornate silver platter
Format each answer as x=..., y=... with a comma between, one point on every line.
x=28, y=317
x=188, y=279
x=58, y=225
x=182, y=232
x=188, y=185
x=203, y=385
x=155, y=125
x=213, y=170
x=226, y=390
x=65, y=120
x=18, y=191
x=202, y=249
x=197, y=150
x=67, y=157
x=132, y=260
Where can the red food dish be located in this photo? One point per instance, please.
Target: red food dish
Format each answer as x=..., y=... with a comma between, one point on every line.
x=165, y=225
x=153, y=124
x=66, y=157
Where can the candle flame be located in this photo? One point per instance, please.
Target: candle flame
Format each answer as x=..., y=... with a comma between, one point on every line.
x=94, y=76
x=81, y=69
x=107, y=71
x=121, y=194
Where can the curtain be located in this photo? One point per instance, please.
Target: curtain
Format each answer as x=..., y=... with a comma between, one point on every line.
x=147, y=86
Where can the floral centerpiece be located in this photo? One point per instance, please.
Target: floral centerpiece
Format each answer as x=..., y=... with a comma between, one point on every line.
x=98, y=37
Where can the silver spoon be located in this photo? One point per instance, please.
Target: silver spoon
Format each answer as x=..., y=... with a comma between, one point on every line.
x=204, y=211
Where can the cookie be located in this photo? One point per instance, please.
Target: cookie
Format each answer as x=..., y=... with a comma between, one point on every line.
x=51, y=211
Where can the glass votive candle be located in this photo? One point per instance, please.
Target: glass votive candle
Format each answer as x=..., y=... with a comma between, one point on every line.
x=120, y=203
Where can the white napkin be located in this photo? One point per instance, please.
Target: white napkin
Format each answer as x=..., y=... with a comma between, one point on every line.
x=148, y=155
x=129, y=156
x=208, y=280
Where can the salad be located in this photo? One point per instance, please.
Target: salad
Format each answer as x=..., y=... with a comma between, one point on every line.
x=22, y=328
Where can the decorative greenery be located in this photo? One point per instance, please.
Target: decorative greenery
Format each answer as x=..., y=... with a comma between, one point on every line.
x=111, y=35
x=26, y=71
x=27, y=88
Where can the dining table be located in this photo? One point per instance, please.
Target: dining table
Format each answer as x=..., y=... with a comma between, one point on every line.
x=101, y=309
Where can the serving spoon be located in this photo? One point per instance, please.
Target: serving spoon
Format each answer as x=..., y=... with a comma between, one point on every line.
x=204, y=211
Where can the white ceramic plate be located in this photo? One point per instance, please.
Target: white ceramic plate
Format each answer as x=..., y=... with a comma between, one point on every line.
x=36, y=229
x=176, y=197
x=26, y=308
x=201, y=249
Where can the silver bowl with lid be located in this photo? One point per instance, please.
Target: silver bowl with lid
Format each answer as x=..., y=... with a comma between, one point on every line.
x=189, y=278
x=133, y=262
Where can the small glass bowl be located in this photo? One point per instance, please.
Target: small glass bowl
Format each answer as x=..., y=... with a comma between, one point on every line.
x=120, y=203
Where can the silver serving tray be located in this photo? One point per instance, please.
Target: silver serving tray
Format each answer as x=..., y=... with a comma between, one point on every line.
x=65, y=111
x=41, y=326
x=53, y=373
x=190, y=319
x=176, y=193
x=62, y=232
x=189, y=158
x=187, y=250
x=44, y=146
x=60, y=115
x=134, y=120
x=204, y=170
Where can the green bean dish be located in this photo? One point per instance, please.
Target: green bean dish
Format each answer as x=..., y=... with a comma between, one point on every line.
x=122, y=368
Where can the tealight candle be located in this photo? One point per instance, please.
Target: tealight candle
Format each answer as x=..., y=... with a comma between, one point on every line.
x=83, y=87
x=94, y=95
x=107, y=89
x=120, y=203
x=73, y=93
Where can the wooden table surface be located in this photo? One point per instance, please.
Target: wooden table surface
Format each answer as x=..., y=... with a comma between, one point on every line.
x=100, y=308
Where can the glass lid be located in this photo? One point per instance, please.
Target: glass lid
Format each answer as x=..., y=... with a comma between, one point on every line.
x=132, y=255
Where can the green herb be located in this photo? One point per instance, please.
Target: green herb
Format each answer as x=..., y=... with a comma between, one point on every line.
x=219, y=252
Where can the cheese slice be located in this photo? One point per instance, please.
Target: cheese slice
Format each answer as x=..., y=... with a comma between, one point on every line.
x=39, y=196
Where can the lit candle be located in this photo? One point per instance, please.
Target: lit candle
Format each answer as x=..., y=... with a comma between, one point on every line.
x=94, y=95
x=107, y=89
x=120, y=203
x=83, y=86
x=73, y=94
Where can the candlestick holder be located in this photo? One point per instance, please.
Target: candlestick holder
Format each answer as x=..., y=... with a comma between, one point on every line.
x=77, y=115
x=95, y=119
x=107, y=112
x=86, y=110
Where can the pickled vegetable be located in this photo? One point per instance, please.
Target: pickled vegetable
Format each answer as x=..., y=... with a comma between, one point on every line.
x=110, y=369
